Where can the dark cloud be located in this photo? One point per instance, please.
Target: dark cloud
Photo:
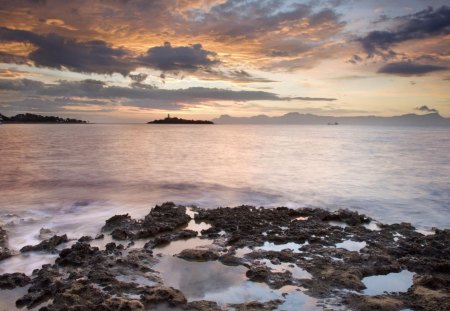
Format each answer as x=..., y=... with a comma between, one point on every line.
x=409, y=69
x=97, y=56
x=236, y=76
x=58, y=52
x=355, y=59
x=142, y=97
x=138, y=78
x=166, y=57
x=423, y=24
x=426, y=109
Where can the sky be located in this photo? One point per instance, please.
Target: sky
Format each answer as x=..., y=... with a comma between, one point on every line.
x=135, y=61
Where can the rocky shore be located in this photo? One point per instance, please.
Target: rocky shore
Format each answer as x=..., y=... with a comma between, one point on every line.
x=312, y=255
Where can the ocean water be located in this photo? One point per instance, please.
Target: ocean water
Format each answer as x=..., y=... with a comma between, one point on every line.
x=70, y=178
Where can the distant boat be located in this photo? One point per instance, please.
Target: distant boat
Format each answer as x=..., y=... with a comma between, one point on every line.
x=335, y=123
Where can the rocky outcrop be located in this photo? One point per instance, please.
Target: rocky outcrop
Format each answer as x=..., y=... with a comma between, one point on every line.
x=198, y=255
x=47, y=245
x=13, y=280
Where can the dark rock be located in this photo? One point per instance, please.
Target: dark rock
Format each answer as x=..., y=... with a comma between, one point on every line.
x=258, y=306
x=79, y=254
x=203, y=305
x=13, y=280
x=348, y=217
x=117, y=221
x=46, y=245
x=85, y=238
x=120, y=234
x=258, y=273
x=5, y=253
x=161, y=294
x=198, y=254
x=230, y=260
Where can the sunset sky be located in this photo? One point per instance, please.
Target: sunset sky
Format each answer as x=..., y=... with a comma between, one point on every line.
x=134, y=61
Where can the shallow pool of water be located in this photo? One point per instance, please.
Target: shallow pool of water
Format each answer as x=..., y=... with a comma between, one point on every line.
x=225, y=285
x=392, y=282
x=352, y=246
x=175, y=247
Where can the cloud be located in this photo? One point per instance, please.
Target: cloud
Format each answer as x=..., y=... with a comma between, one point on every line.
x=423, y=24
x=189, y=58
x=426, y=109
x=97, y=56
x=58, y=52
x=151, y=97
x=409, y=69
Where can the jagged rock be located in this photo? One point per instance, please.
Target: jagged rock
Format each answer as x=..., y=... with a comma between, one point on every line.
x=160, y=294
x=13, y=280
x=46, y=245
x=230, y=260
x=203, y=305
x=85, y=238
x=79, y=254
x=258, y=306
x=198, y=254
x=348, y=217
x=120, y=234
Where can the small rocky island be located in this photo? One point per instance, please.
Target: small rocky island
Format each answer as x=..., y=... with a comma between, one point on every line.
x=175, y=120
x=35, y=118
x=187, y=258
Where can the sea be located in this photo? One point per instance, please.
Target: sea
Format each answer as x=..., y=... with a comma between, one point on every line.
x=70, y=178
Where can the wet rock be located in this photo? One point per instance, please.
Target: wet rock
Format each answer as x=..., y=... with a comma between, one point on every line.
x=203, y=305
x=165, y=217
x=3, y=237
x=198, y=254
x=258, y=306
x=120, y=234
x=261, y=273
x=43, y=287
x=118, y=221
x=79, y=254
x=369, y=303
x=5, y=253
x=348, y=217
x=85, y=239
x=123, y=304
x=431, y=292
x=13, y=280
x=160, y=294
x=258, y=273
x=47, y=245
x=99, y=236
x=79, y=296
x=230, y=260
x=166, y=238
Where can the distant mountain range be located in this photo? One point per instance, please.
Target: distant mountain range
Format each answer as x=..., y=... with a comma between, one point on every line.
x=431, y=119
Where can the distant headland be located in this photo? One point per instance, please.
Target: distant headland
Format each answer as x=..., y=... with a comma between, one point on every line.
x=169, y=120
x=35, y=118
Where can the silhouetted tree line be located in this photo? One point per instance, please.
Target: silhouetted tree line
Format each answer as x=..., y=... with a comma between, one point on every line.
x=35, y=118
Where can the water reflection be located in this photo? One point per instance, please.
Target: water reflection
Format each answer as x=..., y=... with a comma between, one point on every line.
x=225, y=285
x=392, y=282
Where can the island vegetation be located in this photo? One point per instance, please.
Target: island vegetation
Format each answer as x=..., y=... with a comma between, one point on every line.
x=175, y=120
x=35, y=118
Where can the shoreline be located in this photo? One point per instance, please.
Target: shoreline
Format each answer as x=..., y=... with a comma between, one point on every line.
x=289, y=256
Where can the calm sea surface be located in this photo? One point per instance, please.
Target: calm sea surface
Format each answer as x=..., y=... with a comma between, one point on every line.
x=70, y=178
